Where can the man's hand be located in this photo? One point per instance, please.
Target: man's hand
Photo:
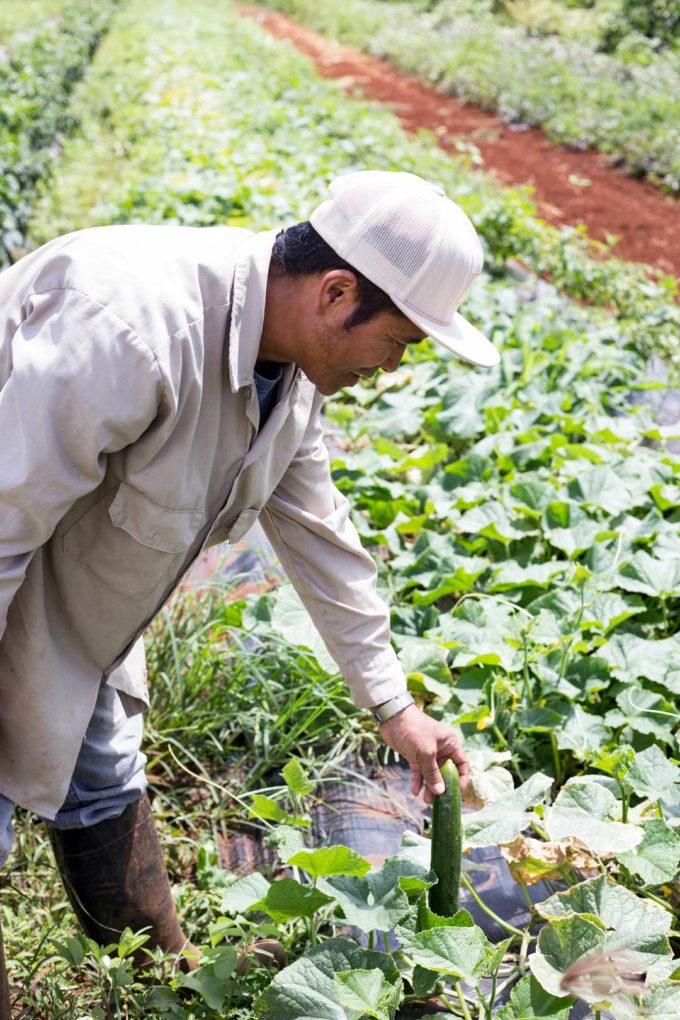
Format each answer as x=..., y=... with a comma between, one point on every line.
x=426, y=744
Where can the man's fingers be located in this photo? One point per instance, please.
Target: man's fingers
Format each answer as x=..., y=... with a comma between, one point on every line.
x=416, y=778
x=432, y=776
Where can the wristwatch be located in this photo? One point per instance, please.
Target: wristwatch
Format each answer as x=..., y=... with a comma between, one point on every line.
x=381, y=713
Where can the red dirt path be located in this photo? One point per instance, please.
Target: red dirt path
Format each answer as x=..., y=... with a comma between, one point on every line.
x=571, y=187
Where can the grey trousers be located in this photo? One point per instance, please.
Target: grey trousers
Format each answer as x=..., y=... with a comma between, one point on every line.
x=109, y=772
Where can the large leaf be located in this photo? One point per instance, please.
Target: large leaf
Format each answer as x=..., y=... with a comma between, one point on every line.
x=368, y=992
x=425, y=664
x=601, y=488
x=213, y=980
x=586, y=811
x=528, y=1001
x=629, y=922
x=331, y=860
x=644, y=711
x=560, y=945
x=491, y=520
x=656, y=858
x=652, y=775
x=581, y=731
x=245, y=892
x=307, y=990
x=379, y=900
x=502, y=820
x=371, y=903
x=631, y=657
x=287, y=899
x=568, y=528
x=659, y=1003
x=537, y=575
x=650, y=576
x=458, y=952
x=478, y=633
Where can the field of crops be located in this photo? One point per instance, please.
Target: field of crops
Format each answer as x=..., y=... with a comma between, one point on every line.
x=523, y=60
x=524, y=520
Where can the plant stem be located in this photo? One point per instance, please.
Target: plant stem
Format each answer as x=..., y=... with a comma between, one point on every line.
x=461, y=999
x=556, y=759
x=526, y=896
x=487, y=910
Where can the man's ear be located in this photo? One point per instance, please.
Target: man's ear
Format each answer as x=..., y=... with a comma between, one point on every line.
x=338, y=291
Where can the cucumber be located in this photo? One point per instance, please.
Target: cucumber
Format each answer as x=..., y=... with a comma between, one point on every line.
x=447, y=844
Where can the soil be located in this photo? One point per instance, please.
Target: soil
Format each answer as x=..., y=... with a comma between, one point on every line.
x=570, y=186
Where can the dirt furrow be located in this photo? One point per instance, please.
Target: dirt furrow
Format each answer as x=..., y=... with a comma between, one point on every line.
x=570, y=187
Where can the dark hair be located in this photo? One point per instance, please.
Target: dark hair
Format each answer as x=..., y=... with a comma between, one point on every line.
x=300, y=251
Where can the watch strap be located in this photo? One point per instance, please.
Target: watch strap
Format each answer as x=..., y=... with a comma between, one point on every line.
x=381, y=713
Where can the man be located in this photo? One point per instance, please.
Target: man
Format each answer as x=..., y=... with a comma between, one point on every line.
x=160, y=391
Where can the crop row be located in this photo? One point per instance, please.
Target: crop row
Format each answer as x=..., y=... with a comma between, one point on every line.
x=35, y=87
x=206, y=145
x=579, y=96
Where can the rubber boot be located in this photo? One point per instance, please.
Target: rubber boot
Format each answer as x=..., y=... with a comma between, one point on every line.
x=116, y=878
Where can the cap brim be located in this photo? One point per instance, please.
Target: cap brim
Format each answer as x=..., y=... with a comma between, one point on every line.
x=460, y=337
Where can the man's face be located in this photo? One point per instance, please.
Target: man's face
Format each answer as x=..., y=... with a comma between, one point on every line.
x=339, y=357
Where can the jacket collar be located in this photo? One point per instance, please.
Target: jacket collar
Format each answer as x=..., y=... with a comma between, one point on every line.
x=247, y=307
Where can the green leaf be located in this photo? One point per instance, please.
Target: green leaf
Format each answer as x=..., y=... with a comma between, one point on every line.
x=644, y=712
x=561, y=944
x=266, y=809
x=656, y=859
x=629, y=922
x=601, y=488
x=479, y=632
x=652, y=775
x=459, y=952
x=643, y=573
x=631, y=657
x=502, y=820
x=375, y=902
x=581, y=731
x=425, y=664
x=287, y=899
x=369, y=992
x=307, y=987
x=528, y=1001
x=537, y=575
x=245, y=892
x=213, y=980
x=491, y=520
x=288, y=840
x=585, y=810
x=331, y=860
x=659, y=1003
x=568, y=528
x=296, y=778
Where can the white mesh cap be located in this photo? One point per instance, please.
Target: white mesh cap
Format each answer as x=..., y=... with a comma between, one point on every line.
x=413, y=242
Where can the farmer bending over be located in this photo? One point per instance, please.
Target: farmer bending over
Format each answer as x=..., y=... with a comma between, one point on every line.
x=160, y=391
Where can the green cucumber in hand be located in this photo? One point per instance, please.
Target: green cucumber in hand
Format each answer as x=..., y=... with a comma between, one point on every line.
x=447, y=844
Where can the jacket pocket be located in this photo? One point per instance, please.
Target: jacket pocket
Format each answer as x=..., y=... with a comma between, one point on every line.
x=131, y=545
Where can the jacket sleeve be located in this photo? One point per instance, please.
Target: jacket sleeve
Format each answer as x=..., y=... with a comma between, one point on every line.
x=77, y=384
x=307, y=522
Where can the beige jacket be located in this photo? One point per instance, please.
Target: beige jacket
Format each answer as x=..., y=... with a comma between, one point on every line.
x=129, y=425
